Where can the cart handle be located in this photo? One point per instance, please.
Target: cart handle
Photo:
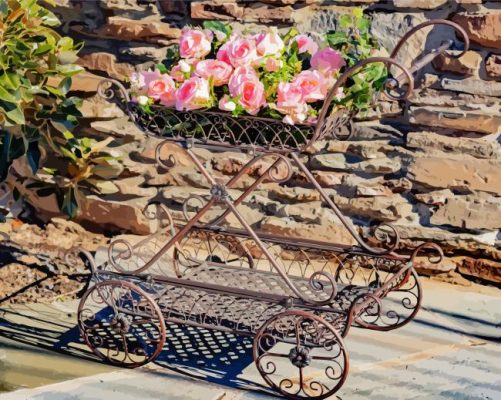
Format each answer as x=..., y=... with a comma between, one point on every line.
x=422, y=25
x=390, y=85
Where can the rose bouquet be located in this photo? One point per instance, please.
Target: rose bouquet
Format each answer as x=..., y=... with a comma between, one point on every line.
x=285, y=76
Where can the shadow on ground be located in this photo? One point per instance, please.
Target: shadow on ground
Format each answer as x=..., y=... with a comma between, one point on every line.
x=216, y=357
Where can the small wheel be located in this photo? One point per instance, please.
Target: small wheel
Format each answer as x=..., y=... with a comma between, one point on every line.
x=397, y=308
x=398, y=303
x=121, y=324
x=301, y=356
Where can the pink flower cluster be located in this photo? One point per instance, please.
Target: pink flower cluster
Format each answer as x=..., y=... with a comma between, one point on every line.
x=233, y=78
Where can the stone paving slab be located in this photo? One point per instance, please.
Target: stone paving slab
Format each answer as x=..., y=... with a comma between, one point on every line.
x=450, y=351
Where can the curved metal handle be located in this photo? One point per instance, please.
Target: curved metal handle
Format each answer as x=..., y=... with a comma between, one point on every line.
x=390, y=84
x=422, y=25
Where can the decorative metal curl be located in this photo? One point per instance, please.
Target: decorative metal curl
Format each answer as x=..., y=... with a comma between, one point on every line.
x=439, y=253
x=274, y=173
x=318, y=285
x=105, y=90
x=391, y=239
x=124, y=255
x=170, y=162
x=186, y=202
x=320, y=130
x=87, y=259
x=365, y=303
x=161, y=212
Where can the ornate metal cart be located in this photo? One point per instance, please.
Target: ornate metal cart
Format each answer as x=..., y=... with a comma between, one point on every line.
x=296, y=297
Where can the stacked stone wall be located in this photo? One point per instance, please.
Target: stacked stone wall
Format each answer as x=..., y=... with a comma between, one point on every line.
x=430, y=166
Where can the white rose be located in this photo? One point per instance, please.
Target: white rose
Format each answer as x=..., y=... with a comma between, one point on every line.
x=185, y=67
x=142, y=100
x=269, y=43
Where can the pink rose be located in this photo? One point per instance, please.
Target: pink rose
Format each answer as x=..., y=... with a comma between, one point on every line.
x=163, y=89
x=240, y=75
x=290, y=102
x=194, y=93
x=251, y=96
x=219, y=71
x=183, y=69
x=194, y=43
x=269, y=43
x=306, y=44
x=226, y=104
x=222, y=53
x=241, y=51
x=327, y=61
x=313, y=85
x=141, y=80
x=177, y=74
x=273, y=64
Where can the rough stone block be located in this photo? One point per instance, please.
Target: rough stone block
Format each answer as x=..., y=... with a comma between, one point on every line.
x=482, y=28
x=468, y=64
x=462, y=173
x=493, y=66
x=453, y=118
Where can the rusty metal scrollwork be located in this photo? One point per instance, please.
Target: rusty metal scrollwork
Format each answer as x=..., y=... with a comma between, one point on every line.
x=308, y=344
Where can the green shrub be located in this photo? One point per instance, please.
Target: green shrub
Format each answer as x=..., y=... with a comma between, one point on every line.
x=37, y=116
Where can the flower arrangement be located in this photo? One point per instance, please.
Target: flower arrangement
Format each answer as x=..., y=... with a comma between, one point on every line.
x=266, y=73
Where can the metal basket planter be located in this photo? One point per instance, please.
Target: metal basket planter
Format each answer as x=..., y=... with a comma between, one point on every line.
x=296, y=297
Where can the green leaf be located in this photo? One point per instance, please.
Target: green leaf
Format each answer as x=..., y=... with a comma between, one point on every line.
x=337, y=38
x=50, y=171
x=43, y=49
x=6, y=96
x=67, y=57
x=358, y=12
x=65, y=85
x=65, y=43
x=363, y=24
x=50, y=19
x=70, y=204
x=4, y=7
x=68, y=153
x=162, y=68
x=345, y=21
x=69, y=69
x=68, y=135
x=33, y=156
x=16, y=116
x=217, y=26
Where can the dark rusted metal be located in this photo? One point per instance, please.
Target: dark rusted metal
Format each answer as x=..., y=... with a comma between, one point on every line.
x=121, y=323
x=311, y=345
x=296, y=296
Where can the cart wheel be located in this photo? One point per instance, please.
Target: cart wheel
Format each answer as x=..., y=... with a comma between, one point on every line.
x=397, y=305
x=121, y=324
x=301, y=356
x=397, y=308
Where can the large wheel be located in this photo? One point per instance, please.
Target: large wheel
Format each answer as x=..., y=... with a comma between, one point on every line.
x=301, y=356
x=121, y=323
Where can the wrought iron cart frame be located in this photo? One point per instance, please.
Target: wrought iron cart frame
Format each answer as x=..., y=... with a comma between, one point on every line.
x=209, y=275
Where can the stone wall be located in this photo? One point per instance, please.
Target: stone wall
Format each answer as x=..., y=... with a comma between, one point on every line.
x=431, y=166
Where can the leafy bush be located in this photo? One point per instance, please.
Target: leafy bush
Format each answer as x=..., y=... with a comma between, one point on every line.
x=36, y=114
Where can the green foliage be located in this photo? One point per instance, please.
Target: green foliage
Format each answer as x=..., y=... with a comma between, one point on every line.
x=36, y=114
x=218, y=26
x=355, y=42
